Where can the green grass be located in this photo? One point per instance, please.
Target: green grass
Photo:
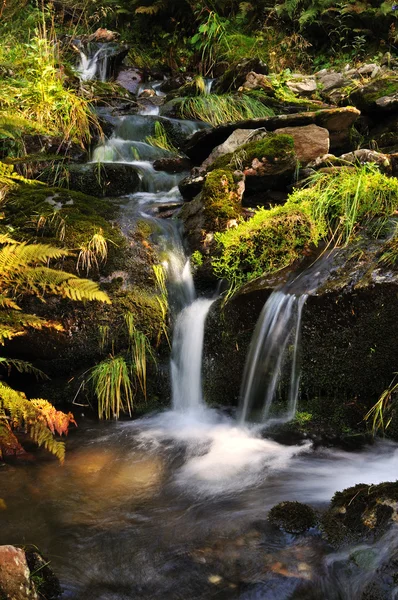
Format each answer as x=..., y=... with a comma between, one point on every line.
x=332, y=207
x=217, y=110
x=112, y=387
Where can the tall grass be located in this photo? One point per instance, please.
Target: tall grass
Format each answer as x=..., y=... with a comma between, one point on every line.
x=381, y=413
x=218, y=110
x=160, y=139
x=112, y=386
x=36, y=87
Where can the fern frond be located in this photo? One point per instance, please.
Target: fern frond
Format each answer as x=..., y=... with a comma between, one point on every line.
x=22, y=367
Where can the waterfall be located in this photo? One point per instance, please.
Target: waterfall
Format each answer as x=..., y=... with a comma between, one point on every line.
x=94, y=65
x=278, y=326
x=186, y=361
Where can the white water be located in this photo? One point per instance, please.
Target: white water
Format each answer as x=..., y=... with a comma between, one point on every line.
x=94, y=66
x=279, y=323
x=186, y=361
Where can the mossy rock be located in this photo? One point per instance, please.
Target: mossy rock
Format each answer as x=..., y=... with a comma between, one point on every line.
x=361, y=512
x=98, y=179
x=65, y=218
x=373, y=97
x=292, y=517
x=220, y=200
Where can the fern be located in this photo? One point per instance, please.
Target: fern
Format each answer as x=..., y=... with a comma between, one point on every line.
x=38, y=418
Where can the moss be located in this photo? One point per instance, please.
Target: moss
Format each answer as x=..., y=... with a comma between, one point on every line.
x=360, y=512
x=220, y=199
x=269, y=241
x=365, y=97
x=293, y=517
x=273, y=148
x=39, y=212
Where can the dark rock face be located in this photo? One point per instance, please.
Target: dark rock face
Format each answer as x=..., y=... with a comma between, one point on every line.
x=380, y=96
x=103, y=180
x=348, y=348
x=172, y=165
x=235, y=77
x=336, y=120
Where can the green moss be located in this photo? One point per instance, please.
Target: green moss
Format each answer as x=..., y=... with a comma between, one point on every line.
x=220, y=199
x=269, y=241
x=365, y=97
x=273, y=148
x=197, y=258
x=292, y=517
x=63, y=217
x=359, y=512
x=333, y=205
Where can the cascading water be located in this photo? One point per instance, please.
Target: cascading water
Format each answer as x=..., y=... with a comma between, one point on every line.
x=94, y=65
x=277, y=327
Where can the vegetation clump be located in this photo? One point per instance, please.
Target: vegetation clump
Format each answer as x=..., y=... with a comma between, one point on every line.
x=220, y=199
x=331, y=207
x=292, y=517
x=217, y=110
x=360, y=512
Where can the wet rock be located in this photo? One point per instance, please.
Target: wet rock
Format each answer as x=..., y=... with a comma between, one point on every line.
x=47, y=584
x=362, y=512
x=235, y=76
x=337, y=121
x=302, y=85
x=15, y=582
x=129, y=78
x=103, y=179
x=292, y=517
x=172, y=165
x=53, y=146
x=173, y=83
x=310, y=141
x=103, y=35
x=191, y=186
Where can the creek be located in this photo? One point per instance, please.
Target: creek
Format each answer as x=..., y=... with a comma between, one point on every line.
x=174, y=505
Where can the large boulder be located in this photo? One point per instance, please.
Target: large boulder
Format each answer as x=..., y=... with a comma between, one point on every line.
x=310, y=141
x=234, y=141
x=129, y=78
x=337, y=121
x=235, y=76
x=302, y=85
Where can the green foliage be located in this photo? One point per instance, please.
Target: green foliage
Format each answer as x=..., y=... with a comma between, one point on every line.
x=217, y=110
x=37, y=417
x=112, y=387
x=197, y=258
x=35, y=96
x=220, y=200
x=209, y=35
x=332, y=207
x=351, y=197
x=160, y=139
x=381, y=413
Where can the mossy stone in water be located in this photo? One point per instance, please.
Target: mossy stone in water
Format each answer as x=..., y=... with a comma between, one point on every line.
x=220, y=199
x=360, y=512
x=293, y=517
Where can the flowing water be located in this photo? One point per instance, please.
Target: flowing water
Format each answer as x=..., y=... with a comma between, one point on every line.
x=174, y=506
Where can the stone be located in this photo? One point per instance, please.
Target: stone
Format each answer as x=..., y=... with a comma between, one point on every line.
x=337, y=121
x=364, y=155
x=310, y=141
x=302, y=85
x=292, y=517
x=172, y=165
x=191, y=186
x=103, y=35
x=235, y=76
x=173, y=83
x=15, y=583
x=103, y=179
x=379, y=96
x=330, y=80
x=129, y=78
x=236, y=139
x=257, y=81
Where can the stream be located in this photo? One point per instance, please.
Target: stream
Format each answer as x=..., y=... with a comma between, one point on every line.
x=174, y=505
